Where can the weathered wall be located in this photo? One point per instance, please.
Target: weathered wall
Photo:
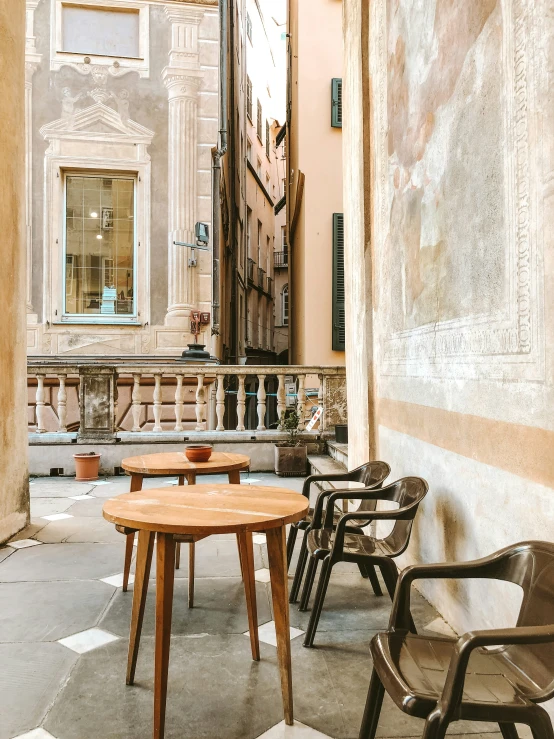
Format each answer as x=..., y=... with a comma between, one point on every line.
x=14, y=498
x=461, y=161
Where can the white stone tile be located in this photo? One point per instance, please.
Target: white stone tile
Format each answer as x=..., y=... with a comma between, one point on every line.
x=36, y=734
x=262, y=575
x=98, y=482
x=57, y=517
x=259, y=539
x=250, y=480
x=81, y=497
x=298, y=731
x=439, y=626
x=117, y=580
x=266, y=633
x=23, y=543
x=86, y=641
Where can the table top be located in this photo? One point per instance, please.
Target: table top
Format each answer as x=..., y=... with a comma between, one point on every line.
x=172, y=463
x=207, y=509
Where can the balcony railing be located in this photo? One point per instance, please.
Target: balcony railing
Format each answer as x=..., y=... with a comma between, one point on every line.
x=104, y=401
x=261, y=278
x=280, y=259
x=250, y=269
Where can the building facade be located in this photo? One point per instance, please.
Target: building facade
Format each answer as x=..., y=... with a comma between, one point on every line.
x=121, y=117
x=314, y=182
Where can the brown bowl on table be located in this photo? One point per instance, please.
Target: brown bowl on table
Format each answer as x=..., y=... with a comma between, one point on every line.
x=198, y=452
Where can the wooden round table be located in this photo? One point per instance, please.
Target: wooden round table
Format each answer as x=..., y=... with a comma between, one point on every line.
x=176, y=463
x=200, y=511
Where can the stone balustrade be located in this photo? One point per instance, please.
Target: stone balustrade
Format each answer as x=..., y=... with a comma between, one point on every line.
x=108, y=401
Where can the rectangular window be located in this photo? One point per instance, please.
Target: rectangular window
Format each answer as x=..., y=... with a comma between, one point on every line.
x=101, y=31
x=259, y=241
x=267, y=139
x=338, y=283
x=285, y=305
x=249, y=27
x=99, y=246
x=249, y=150
x=249, y=97
x=259, y=167
x=259, y=121
x=336, y=102
x=249, y=232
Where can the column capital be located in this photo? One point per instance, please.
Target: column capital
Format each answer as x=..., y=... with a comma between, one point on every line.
x=181, y=83
x=189, y=16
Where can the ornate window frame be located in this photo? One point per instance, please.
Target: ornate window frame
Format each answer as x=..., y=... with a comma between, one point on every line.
x=117, y=66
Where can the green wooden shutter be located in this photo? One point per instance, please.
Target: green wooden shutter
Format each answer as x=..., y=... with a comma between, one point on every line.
x=338, y=283
x=336, y=102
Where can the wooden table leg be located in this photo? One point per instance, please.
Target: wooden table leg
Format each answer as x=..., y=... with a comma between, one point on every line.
x=181, y=481
x=144, y=560
x=136, y=484
x=165, y=573
x=246, y=549
x=234, y=477
x=277, y=555
x=192, y=553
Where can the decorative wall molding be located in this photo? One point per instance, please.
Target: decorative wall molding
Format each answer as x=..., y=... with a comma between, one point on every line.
x=505, y=343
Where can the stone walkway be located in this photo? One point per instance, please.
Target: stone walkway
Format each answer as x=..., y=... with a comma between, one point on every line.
x=64, y=624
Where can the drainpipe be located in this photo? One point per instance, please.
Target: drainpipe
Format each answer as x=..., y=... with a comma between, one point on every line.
x=216, y=166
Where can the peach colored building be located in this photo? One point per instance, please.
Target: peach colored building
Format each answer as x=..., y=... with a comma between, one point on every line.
x=314, y=182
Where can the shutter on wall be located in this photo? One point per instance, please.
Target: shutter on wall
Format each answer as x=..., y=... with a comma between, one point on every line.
x=336, y=102
x=338, y=283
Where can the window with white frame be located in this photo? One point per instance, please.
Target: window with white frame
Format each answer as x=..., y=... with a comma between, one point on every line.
x=285, y=305
x=99, y=247
x=100, y=30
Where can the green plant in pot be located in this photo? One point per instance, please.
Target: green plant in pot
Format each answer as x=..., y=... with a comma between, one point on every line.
x=291, y=455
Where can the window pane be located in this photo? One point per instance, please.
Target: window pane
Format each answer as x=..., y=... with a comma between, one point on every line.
x=99, y=31
x=99, y=246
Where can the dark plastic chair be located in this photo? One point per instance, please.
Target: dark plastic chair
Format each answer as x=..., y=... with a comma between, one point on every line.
x=332, y=546
x=444, y=679
x=371, y=475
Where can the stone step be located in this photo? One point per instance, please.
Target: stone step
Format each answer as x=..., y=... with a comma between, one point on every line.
x=339, y=452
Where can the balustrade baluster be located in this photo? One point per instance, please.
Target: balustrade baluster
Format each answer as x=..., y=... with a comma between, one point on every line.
x=241, y=403
x=220, y=403
x=261, y=403
x=39, y=400
x=301, y=405
x=281, y=397
x=62, y=404
x=200, y=403
x=179, y=400
x=157, y=397
x=136, y=406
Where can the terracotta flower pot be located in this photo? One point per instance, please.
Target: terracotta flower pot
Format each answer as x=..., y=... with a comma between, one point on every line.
x=86, y=466
x=198, y=452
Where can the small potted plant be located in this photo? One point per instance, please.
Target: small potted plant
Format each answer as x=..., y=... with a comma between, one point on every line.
x=291, y=456
x=86, y=466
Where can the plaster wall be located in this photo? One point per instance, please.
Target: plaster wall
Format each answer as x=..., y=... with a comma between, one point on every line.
x=166, y=287
x=458, y=269
x=14, y=495
x=315, y=149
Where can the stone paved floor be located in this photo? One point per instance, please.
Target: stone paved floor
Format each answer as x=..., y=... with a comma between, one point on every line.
x=64, y=624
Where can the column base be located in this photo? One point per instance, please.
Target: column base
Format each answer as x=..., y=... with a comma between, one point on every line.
x=179, y=318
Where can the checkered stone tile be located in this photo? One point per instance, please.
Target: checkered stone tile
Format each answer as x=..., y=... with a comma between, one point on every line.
x=86, y=641
x=266, y=633
x=297, y=731
x=23, y=543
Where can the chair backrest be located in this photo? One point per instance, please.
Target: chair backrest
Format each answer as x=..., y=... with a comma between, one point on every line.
x=405, y=492
x=530, y=564
x=371, y=475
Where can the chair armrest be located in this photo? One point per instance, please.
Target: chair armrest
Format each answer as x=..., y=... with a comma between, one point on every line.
x=368, y=516
x=454, y=685
x=319, y=504
x=331, y=477
x=487, y=567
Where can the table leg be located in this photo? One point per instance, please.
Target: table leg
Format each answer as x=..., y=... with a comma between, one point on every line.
x=246, y=550
x=181, y=481
x=144, y=560
x=277, y=555
x=192, y=553
x=234, y=477
x=135, y=486
x=165, y=573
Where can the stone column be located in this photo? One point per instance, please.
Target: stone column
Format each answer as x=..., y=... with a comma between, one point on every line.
x=182, y=78
x=32, y=62
x=14, y=486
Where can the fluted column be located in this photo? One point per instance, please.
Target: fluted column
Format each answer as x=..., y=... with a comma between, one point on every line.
x=182, y=79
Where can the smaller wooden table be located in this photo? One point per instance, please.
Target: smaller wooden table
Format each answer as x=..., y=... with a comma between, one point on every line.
x=203, y=510
x=176, y=463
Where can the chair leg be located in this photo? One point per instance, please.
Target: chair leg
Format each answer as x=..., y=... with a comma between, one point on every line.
x=362, y=569
x=318, y=602
x=374, y=580
x=434, y=728
x=372, y=710
x=509, y=731
x=300, y=567
x=129, y=542
x=541, y=724
x=291, y=541
x=191, y=574
x=177, y=555
x=308, y=584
